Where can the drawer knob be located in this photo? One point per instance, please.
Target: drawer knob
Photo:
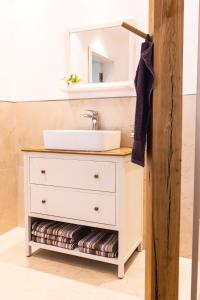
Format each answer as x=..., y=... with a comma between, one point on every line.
x=96, y=208
x=43, y=171
x=44, y=201
x=96, y=176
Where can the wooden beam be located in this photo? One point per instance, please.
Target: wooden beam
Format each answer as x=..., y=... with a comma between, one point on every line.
x=164, y=152
x=196, y=207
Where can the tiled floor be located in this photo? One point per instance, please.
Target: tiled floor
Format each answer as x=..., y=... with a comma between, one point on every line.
x=53, y=276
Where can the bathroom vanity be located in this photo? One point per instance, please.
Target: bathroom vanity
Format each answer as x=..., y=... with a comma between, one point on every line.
x=96, y=189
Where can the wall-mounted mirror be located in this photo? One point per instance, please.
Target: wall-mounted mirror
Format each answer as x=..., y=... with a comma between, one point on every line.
x=101, y=59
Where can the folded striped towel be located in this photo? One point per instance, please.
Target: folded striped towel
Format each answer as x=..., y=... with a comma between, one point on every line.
x=99, y=253
x=37, y=239
x=102, y=241
x=53, y=237
x=50, y=228
x=41, y=226
x=58, y=234
x=67, y=230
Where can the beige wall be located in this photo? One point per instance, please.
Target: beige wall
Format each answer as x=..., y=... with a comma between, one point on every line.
x=188, y=154
x=33, y=117
x=8, y=201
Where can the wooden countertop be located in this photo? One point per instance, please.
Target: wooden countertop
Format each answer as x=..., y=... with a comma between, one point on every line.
x=123, y=151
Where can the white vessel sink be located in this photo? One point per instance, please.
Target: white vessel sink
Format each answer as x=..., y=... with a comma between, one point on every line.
x=85, y=140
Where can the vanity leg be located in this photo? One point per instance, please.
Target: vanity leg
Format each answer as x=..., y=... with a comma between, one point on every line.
x=140, y=247
x=28, y=236
x=28, y=251
x=121, y=271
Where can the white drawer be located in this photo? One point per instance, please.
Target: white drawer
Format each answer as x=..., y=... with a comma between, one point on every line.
x=73, y=204
x=90, y=175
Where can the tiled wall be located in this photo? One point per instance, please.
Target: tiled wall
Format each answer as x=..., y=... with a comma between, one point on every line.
x=33, y=117
x=8, y=199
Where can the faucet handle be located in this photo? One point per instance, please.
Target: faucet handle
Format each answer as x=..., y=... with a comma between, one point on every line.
x=94, y=112
x=90, y=113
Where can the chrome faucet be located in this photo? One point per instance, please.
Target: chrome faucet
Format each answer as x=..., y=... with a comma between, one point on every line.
x=92, y=114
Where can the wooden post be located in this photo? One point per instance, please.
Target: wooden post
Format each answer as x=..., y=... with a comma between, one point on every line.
x=164, y=152
x=196, y=207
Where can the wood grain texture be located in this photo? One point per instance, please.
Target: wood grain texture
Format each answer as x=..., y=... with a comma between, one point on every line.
x=164, y=152
x=196, y=207
x=134, y=30
x=123, y=151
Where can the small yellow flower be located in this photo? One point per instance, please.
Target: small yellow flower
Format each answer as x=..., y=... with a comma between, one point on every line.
x=73, y=79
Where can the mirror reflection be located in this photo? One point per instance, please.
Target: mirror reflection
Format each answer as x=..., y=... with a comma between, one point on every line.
x=100, y=55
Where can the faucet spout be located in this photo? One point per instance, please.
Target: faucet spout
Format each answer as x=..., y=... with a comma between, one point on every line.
x=94, y=116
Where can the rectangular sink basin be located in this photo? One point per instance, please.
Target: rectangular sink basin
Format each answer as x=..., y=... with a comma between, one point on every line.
x=83, y=140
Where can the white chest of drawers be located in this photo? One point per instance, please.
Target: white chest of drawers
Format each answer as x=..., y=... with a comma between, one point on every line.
x=101, y=190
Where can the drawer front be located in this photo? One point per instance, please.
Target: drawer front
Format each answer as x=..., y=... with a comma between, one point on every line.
x=73, y=204
x=90, y=175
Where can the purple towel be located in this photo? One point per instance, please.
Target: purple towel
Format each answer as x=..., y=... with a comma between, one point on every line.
x=144, y=85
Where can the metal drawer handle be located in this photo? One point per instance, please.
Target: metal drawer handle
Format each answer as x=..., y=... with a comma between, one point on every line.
x=43, y=171
x=96, y=176
x=44, y=201
x=96, y=208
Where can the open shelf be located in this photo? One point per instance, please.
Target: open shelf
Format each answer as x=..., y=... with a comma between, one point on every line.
x=75, y=252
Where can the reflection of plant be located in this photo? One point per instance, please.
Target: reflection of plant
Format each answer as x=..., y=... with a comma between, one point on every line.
x=73, y=79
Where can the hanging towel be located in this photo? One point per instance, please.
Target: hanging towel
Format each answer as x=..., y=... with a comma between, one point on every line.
x=144, y=85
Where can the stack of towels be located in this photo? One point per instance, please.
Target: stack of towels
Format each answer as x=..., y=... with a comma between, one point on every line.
x=102, y=243
x=58, y=234
x=69, y=236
